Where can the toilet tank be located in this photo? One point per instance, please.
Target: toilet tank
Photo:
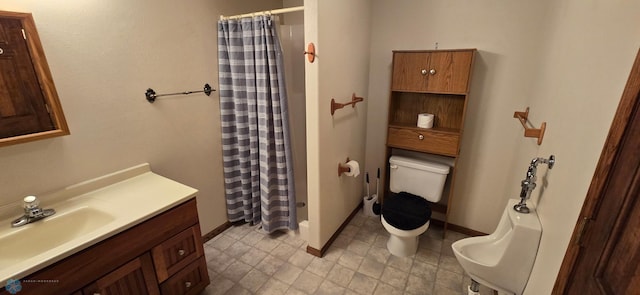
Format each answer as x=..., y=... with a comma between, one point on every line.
x=418, y=177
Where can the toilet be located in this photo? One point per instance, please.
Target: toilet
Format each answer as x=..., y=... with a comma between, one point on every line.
x=406, y=215
x=504, y=259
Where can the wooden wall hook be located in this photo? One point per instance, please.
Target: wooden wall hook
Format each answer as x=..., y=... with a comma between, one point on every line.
x=311, y=52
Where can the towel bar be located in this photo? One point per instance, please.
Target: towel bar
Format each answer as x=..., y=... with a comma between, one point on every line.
x=354, y=99
x=151, y=94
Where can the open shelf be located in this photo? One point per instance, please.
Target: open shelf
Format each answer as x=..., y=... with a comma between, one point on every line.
x=448, y=110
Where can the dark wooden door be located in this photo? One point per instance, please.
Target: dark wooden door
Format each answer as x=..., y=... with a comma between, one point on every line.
x=22, y=105
x=604, y=256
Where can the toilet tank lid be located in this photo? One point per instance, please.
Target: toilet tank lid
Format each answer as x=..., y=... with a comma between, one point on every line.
x=419, y=164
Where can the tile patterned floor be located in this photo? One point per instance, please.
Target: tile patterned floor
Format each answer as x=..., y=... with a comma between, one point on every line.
x=243, y=260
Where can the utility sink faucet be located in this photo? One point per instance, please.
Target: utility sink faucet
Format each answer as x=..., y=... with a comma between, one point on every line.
x=528, y=184
x=32, y=212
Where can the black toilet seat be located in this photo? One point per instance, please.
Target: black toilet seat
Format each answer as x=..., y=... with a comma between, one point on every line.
x=406, y=211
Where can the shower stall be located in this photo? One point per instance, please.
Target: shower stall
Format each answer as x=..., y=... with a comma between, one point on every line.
x=291, y=33
x=263, y=116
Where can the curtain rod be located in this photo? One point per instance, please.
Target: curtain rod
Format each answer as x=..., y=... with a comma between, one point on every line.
x=275, y=11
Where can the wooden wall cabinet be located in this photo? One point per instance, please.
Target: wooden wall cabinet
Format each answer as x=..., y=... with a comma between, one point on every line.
x=163, y=255
x=443, y=71
x=30, y=108
x=436, y=82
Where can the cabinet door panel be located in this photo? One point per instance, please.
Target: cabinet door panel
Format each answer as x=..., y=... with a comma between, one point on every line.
x=407, y=71
x=22, y=106
x=134, y=278
x=451, y=71
x=424, y=141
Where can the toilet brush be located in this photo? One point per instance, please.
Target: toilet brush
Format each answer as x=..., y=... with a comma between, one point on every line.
x=367, y=181
x=378, y=182
x=376, y=205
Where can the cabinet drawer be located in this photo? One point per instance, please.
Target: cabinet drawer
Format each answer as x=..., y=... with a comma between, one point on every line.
x=430, y=141
x=190, y=280
x=176, y=252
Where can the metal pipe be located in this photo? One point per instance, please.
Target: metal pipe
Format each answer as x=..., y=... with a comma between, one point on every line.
x=529, y=183
x=266, y=12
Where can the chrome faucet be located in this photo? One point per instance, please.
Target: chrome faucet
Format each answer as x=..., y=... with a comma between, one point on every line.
x=32, y=212
x=528, y=184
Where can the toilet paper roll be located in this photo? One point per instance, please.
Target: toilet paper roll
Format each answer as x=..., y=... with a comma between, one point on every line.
x=367, y=206
x=425, y=120
x=354, y=168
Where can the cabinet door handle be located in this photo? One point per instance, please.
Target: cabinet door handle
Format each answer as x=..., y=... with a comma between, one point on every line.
x=420, y=136
x=187, y=285
x=181, y=252
x=1, y=51
x=423, y=72
x=432, y=71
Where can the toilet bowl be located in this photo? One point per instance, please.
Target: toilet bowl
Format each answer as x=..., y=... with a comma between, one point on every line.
x=403, y=243
x=406, y=214
x=503, y=260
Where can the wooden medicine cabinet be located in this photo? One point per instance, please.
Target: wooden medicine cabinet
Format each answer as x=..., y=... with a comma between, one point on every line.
x=29, y=104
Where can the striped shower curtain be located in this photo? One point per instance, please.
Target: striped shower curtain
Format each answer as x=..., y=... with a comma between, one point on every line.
x=258, y=167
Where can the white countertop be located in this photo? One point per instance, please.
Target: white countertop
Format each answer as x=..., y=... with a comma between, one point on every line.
x=127, y=197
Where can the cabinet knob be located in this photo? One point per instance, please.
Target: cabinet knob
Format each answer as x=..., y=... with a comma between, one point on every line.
x=1, y=51
x=423, y=72
x=187, y=284
x=420, y=136
x=181, y=252
x=432, y=71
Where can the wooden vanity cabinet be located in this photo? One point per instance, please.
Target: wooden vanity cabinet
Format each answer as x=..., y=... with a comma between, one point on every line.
x=435, y=82
x=163, y=255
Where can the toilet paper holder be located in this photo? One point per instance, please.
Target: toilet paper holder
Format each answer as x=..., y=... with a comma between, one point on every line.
x=343, y=169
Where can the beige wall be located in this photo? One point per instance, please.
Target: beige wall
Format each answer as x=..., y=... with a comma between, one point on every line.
x=340, y=30
x=567, y=60
x=103, y=56
x=585, y=65
x=508, y=36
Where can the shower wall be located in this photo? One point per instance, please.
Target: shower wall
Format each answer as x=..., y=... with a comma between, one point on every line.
x=292, y=40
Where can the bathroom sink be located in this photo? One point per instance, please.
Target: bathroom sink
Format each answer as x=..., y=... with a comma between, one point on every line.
x=86, y=213
x=28, y=241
